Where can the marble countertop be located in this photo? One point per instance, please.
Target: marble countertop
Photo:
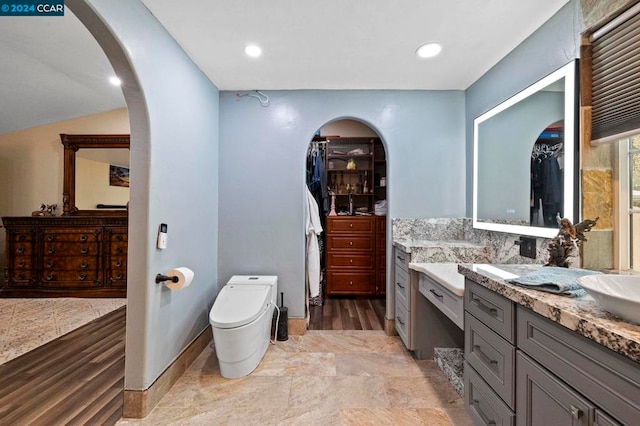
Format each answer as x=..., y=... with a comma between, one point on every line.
x=408, y=245
x=582, y=315
x=444, y=273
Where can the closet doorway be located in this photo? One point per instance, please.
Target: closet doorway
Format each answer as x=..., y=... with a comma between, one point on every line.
x=347, y=179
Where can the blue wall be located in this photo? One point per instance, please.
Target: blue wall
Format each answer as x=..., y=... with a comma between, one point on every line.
x=173, y=110
x=262, y=170
x=553, y=45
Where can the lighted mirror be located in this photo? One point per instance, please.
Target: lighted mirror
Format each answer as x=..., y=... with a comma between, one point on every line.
x=524, y=155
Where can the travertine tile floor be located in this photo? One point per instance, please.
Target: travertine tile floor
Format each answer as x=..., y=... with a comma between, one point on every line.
x=26, y=324
x=323, y=378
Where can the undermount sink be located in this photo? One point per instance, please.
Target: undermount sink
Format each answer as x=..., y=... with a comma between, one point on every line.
x=618, y=294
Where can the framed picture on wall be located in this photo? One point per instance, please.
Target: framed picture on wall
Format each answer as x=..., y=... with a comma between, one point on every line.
x=118, y=176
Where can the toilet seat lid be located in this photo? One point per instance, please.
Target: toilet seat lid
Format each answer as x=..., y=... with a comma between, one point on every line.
x=237, y=305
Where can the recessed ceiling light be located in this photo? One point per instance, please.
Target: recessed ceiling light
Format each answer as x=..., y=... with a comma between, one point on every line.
x=115, y=81
x=429, y=50
x=253, y=51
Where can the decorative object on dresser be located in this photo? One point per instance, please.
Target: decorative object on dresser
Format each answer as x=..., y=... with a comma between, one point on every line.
x=355, y=259
x=45, y=210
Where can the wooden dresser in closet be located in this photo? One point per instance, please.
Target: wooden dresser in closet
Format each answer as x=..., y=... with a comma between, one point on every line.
x=354, y=259
x=65, y=256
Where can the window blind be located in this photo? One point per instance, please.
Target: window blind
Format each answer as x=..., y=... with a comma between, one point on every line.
x=616, y=76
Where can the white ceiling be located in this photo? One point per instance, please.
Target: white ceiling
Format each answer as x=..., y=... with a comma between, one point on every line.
x=52, y=69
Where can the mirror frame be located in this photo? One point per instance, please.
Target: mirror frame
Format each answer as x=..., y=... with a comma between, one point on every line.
x=571, y=157
x=72, y=143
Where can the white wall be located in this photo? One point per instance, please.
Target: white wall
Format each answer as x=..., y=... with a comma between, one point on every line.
x=93, y=188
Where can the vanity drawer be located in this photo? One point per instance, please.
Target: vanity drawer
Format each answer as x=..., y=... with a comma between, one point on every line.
x=494, y=310
x=449, y=303
x=402, y=286
x=350, y=260
x=350, y=242
x=482, y=404
x=492, y=357
x=401, y=259
x=351, y=224
x=402, y=322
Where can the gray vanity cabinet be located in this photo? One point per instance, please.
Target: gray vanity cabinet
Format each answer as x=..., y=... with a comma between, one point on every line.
x=524, y=369
x=544, y=400
x=404, y=297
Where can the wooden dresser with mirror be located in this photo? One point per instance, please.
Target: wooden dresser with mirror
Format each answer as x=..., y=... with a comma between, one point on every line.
x=82, y=253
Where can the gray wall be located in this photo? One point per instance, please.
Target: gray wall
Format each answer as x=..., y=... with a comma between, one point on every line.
x=173, y=111
x=262, y=170
x=553, y=45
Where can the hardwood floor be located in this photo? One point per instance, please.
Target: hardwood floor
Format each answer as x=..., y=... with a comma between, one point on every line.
x=348, y=313
x=77, y=379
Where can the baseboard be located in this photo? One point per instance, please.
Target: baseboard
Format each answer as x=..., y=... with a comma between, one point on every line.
x=139, y=403
x=297, y=326
x=390, y=327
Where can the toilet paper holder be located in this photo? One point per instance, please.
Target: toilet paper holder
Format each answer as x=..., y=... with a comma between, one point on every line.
x=162, y=278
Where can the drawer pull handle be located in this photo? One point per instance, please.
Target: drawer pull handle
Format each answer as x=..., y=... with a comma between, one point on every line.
x=484, y=356
x=351, y=283
x=483, y=416
x=84, y=265
x=576, y=413
x=400, y=285
x=119, y=276
x=350, y=260
x=351, y=225
x=22, y=238
x=491, y=311
x=51, y=238
x=119, y=238
x=50, y=277
x=399, y=320
x=119, y=250
x=20, y=250
x=21, y=264
x=118, y=263
x=82, y=277
x=439, y=296
x=51, y=250
x=401, y=259
x=84, y=250
x=50, y=264
x=350, y=243
x=83, y=238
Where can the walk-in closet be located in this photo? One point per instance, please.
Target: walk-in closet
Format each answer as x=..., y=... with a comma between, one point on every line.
x=346, y=260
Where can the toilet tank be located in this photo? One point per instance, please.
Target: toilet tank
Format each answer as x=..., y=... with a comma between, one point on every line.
x=271, y=280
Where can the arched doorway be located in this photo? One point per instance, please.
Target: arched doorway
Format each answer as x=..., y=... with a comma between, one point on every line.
x=347, y=179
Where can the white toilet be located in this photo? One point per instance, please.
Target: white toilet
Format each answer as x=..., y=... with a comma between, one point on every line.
x=241, y=321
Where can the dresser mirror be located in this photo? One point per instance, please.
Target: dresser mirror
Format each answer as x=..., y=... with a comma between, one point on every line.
x=524, y=155
x=95, y=174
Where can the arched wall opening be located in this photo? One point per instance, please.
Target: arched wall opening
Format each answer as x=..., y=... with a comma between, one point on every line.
x=346, y=173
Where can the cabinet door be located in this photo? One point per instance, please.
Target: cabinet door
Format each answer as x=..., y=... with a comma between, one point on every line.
x=543, y=400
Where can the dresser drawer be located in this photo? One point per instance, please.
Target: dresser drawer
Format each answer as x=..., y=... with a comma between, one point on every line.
x=491, y=356
x=350, y=242
x=449, y=303
x=72, y=235
x=22, y=249
x=70, y=249
x=69, y=278
x=117, y=249
x=117, y=278
x=117, y=262
x=402, y=286
x=351, y=260
x=69, y=263
x=482, y=403
x=350, y=224
x=20, y=236
x=22, y=263
x=495, y=311
x=347, y=282
x=120, y=236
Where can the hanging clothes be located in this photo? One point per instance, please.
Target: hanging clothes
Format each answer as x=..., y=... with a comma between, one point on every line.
x=313, y=229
